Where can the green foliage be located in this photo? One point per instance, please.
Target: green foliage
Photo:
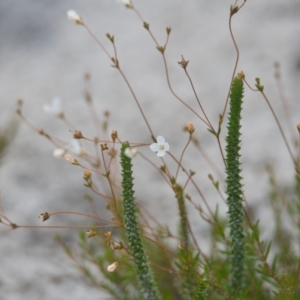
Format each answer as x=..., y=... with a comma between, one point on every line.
x=7, y=135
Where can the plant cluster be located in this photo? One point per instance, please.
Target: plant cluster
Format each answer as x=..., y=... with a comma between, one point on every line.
x=136, y=255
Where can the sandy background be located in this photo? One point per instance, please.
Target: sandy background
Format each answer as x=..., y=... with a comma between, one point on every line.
x=43, y=54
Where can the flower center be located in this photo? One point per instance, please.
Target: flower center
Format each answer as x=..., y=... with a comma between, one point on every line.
x=161, y=147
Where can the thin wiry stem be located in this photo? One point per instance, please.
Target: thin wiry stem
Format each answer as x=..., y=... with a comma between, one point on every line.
x=136, y=101
x=232, y=12
x=97, y=40
x=117, y=66
x=280, y=128
x=194, y=184
x=181, y=156
x=283, y=98
x=236, y=60
x=167, y=71
x=107, y=175
x=208, y=159
x=175, y=95
x=197, y=98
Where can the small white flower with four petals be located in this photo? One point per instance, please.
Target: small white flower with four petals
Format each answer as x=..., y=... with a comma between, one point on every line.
x=161, y=147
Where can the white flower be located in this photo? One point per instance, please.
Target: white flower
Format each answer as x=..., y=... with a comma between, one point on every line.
x=130, y=152
x=73, y=16
x=127, y=3
x=54, y=108
x=112, y=267
x=59, y=152
x=76, y=147
x=161, y=147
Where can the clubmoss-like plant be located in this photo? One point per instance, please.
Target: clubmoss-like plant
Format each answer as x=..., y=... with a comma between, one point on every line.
x=234, y=187
x=202, y=288
x=145, y=277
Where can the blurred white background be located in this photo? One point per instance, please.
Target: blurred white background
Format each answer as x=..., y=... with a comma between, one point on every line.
x=43, y=54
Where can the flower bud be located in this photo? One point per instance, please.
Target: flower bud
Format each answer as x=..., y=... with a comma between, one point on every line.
x=112, y=267
x=87, y=174
x=91, y=233
x=77, y=135
x=114, y=135
x=190, y=127
x=73, y=16
x=72, y=160
x=241, y=75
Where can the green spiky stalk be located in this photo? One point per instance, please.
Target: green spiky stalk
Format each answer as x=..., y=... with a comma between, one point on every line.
x=184, y=230
x=186, y=257
x=202, y=290
x=234, y=187
x=148, y=287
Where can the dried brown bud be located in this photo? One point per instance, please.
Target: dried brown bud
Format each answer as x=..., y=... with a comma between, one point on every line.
x=108, y=235
x=168, y=30
x=298, y=127
x=110, y=37
x=104, y=147
x=234, y=10
x=72, y=160
x=112, y=152
x=77, y=135
x=183, y=62
x=190, y=127
x=44, y=216
x=115, y=61
x=91, y=233
x=87, y=174
x=118, y=246
x=114, y=135
x=160, y=49
x=241, y=75
x=106, y=113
